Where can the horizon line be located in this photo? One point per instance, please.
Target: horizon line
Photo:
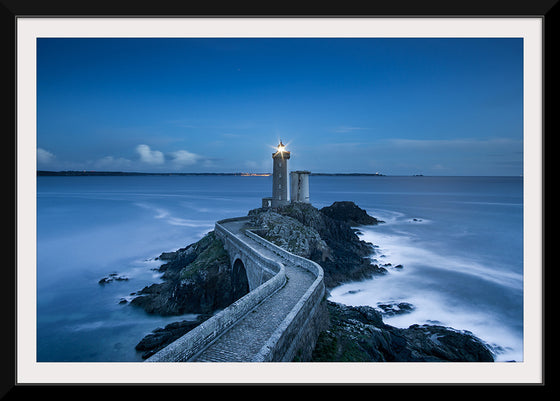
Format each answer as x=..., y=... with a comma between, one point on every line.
x=261, y=174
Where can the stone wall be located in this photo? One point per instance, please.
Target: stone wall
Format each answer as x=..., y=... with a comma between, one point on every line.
x=184, y=348
x=258, y=267
x=295, y=338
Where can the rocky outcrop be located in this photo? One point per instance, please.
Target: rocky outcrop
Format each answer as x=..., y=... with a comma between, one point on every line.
x=290, y=234
x=197, y=279
x=349, y=213
x=112, y=277
x=163, y=336
x=394, y=308
x=358, y=334
x=328, y=237
x=307, y=231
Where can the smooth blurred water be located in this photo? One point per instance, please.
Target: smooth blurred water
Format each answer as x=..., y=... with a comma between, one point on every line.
x=89, y=227
x=462, y=256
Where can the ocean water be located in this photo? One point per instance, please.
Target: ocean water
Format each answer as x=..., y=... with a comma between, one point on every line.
x=459, y=240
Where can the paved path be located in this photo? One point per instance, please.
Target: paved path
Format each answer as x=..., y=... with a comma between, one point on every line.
x=246, y=338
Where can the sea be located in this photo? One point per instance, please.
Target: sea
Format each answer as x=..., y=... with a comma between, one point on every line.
x=458, y=241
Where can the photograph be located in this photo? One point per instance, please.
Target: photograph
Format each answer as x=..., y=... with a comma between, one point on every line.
x=284, y=195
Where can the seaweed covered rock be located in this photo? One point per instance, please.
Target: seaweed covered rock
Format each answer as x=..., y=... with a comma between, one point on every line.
x=197, y=279
x=358, y=334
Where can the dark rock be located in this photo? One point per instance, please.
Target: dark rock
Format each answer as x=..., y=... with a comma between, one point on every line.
x=290, y=234
x=350, y=213
x=390, y=309
x=161, y=337
x=346, y=258
x=167, y=256
x=439, y=343
x=112, y=277
x=358, y=334
x=198, y=279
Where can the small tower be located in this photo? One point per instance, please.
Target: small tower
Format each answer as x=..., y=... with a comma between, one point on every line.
x=299, y=191
x=280, y=176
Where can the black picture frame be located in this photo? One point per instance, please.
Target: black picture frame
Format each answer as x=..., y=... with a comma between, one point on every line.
x=10, y=10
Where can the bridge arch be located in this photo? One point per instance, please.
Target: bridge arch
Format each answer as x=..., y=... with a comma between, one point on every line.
x=256, y=273
x=239, y=278
x=267, y=267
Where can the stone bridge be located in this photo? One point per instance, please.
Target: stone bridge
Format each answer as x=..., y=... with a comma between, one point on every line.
x=277, y=321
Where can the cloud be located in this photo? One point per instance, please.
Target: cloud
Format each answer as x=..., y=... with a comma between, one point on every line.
x=150, y=156
x=184, y=158
x=44, y=156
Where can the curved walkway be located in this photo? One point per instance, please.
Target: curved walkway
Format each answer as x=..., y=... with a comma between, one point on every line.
x=244, y=341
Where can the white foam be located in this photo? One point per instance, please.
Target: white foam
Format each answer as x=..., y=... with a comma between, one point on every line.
x=431, y=308
x=401, y=249
x=413, y=284
x=388, y=216
x=161, y=213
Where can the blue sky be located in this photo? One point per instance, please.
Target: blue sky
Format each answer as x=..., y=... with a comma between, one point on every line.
x=394, y=106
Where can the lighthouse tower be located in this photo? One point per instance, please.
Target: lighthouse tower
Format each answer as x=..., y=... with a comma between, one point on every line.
x=280, y=176
x=299, y=191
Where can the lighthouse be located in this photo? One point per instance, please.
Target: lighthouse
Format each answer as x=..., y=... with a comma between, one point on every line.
x=299, y=191
x=280, y=176
x=299, y=179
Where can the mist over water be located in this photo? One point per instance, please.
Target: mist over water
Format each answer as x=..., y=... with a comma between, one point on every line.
x=90, y=227
x=459, y=239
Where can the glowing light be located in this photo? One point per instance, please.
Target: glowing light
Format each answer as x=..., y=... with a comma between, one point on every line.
x=281, y=149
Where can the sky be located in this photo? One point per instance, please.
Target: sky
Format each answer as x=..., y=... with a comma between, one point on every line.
x=396, y=106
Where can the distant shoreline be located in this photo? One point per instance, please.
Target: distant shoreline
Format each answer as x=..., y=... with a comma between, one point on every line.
x=124, y=173
x=71, y=173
